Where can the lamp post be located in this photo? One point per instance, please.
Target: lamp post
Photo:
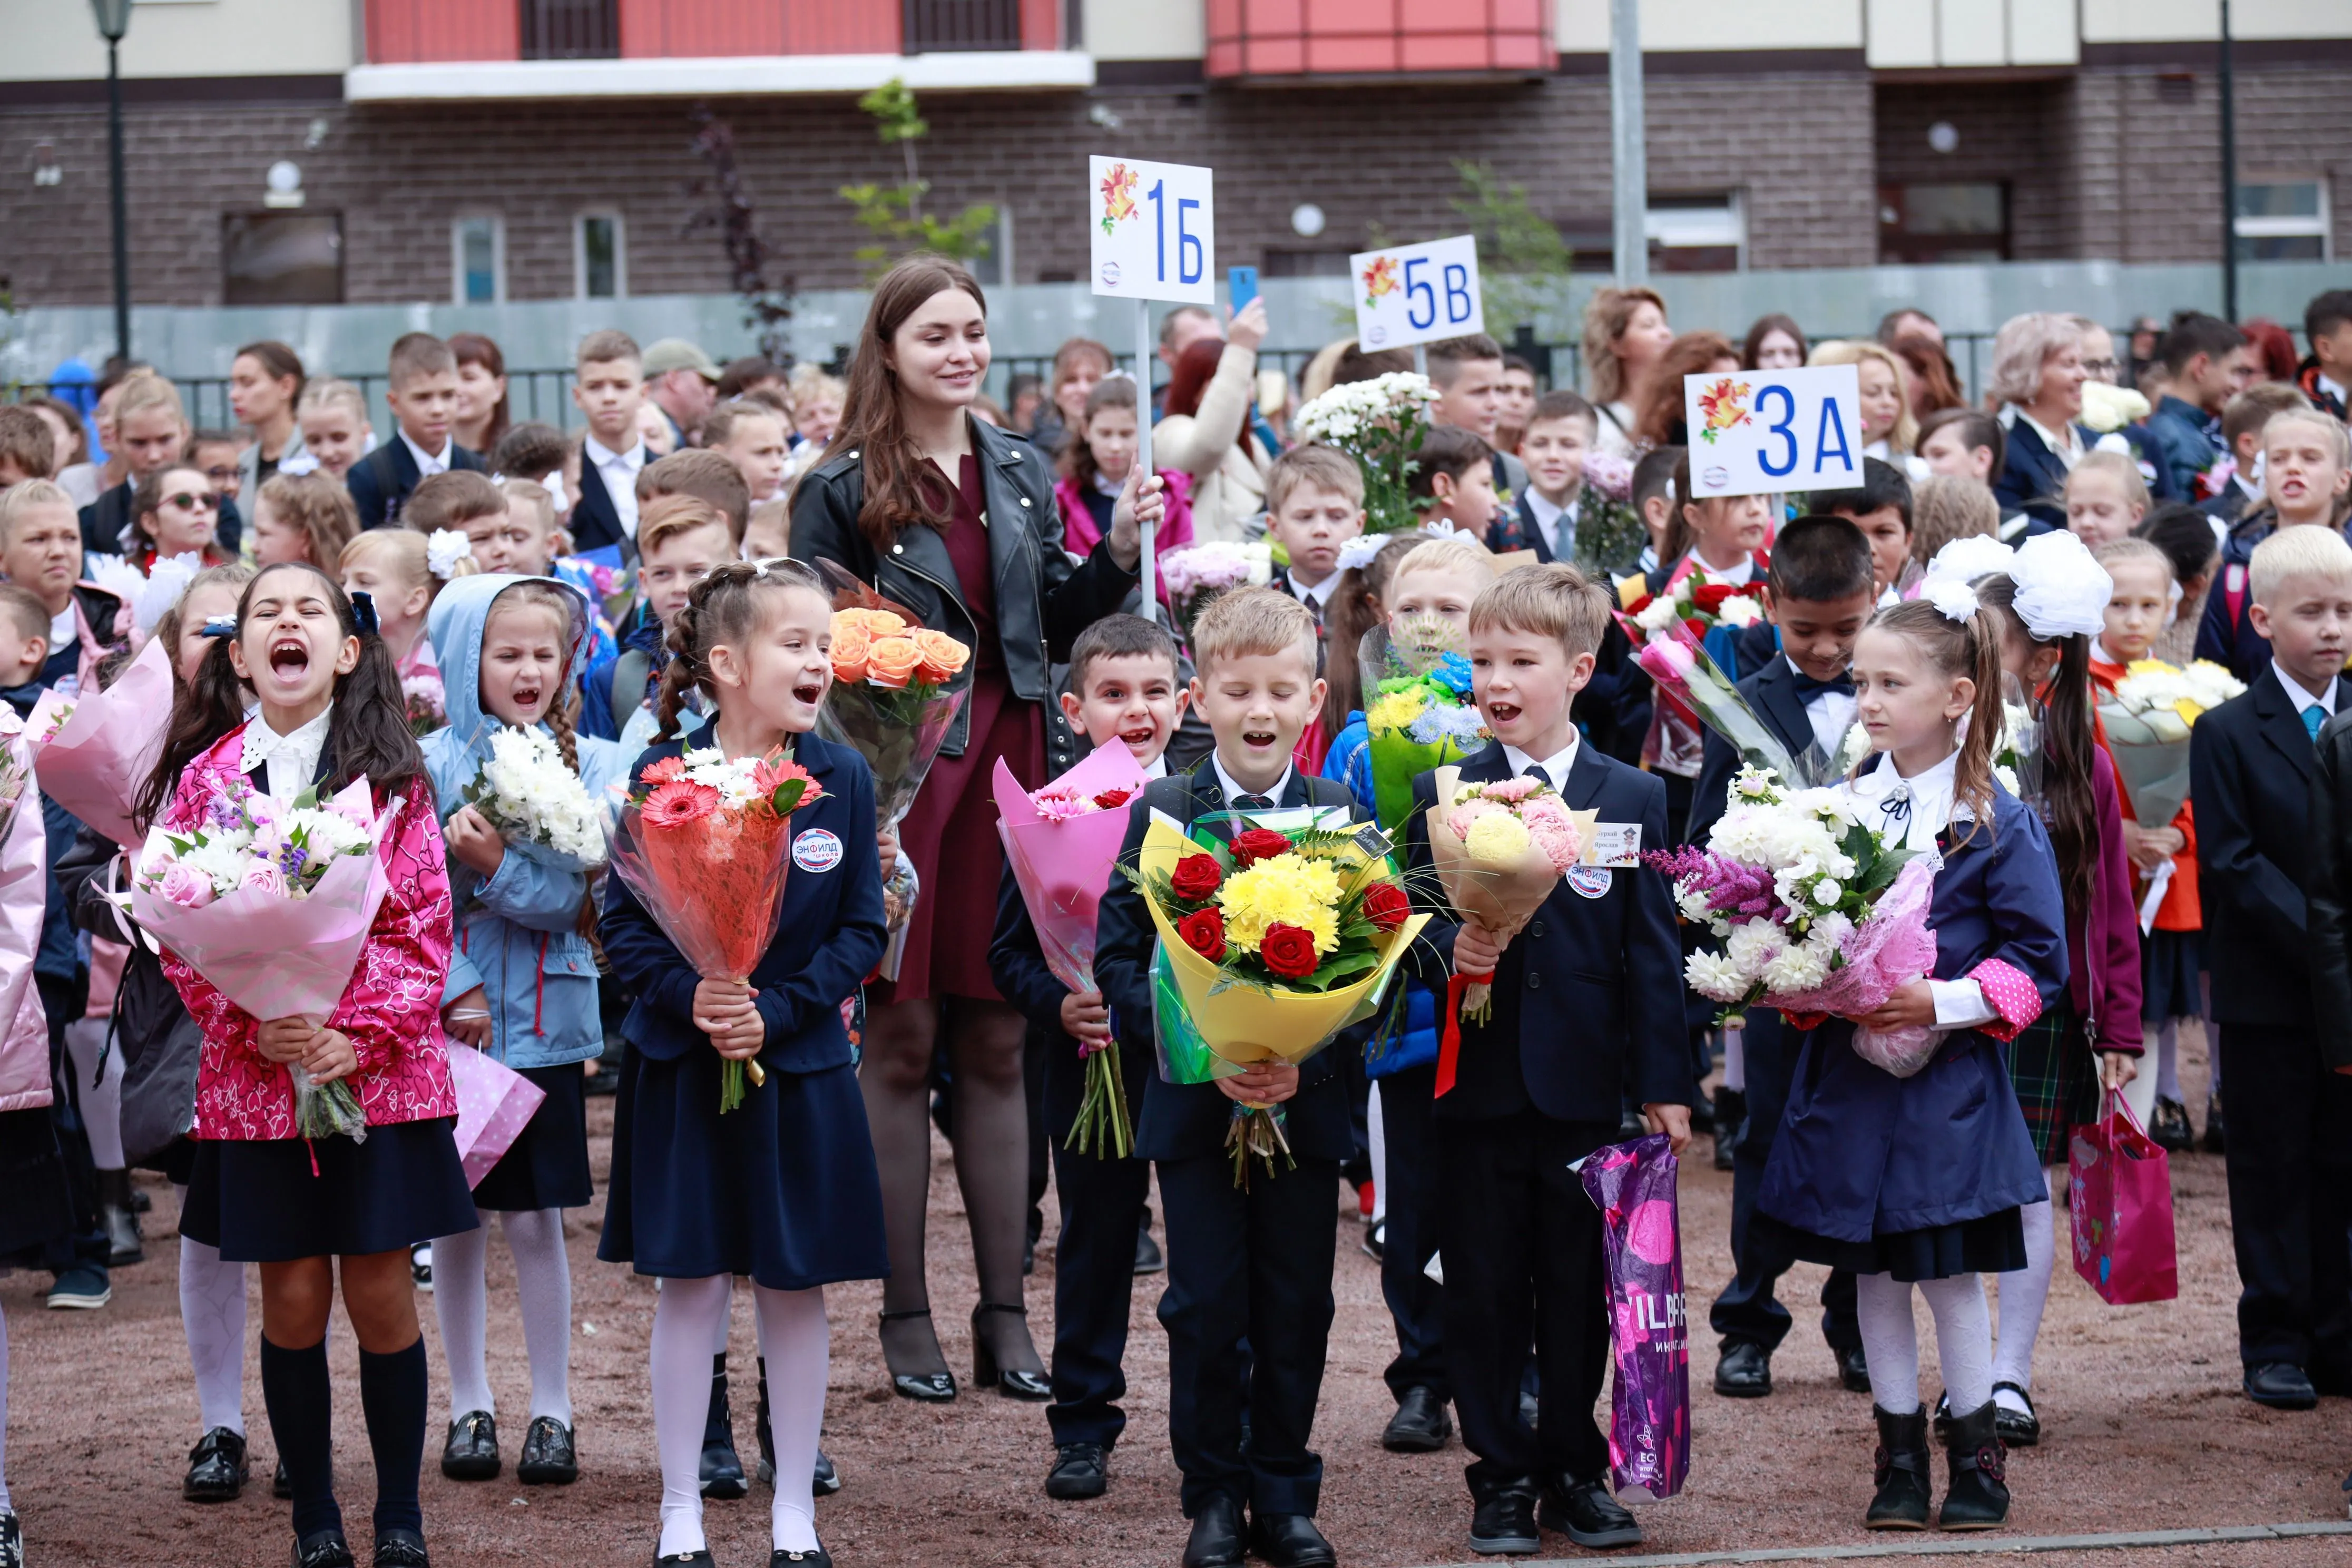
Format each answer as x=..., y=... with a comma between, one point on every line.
x=113, y=22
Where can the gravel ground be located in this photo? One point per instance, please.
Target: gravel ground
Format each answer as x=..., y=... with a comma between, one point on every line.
x=2146, y=1429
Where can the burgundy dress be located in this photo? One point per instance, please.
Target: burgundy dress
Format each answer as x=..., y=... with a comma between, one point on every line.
x=951, y=831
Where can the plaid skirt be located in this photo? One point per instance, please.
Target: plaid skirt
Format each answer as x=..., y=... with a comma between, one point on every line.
x=2056, y=1079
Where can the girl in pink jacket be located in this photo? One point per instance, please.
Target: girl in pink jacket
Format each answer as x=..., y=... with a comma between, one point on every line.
x=330, y=712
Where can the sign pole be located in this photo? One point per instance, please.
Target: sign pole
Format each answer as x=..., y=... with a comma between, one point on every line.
x=1148, y=564
x=1421, y=360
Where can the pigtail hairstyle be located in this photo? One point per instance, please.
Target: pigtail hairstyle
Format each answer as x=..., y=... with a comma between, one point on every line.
x=1957, y=649
x=2069, y=804
x=721, y=608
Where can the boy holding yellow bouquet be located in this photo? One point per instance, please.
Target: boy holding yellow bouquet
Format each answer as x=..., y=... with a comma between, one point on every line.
x=1249, y=1263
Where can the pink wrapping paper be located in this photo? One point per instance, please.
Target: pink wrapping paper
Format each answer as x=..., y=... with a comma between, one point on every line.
x=1887, y=951
x=94, y=765
x=494, y=1104
x=278, y=957
x=1063, y=866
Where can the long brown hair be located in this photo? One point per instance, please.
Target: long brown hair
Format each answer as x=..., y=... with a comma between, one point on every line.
x=2070, y=802
x=1658, y=421
x=1957, y=649
x=473, y=348
x=872, y=422
x=1077, y=459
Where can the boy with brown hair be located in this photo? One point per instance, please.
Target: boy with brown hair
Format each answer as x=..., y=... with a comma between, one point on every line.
x=608, y=386
x=503, y=537
x=1557, y=436
x=1468, y=375
x=705, y=475
x=2242, y=418
x=422, y=396
x=28, y=449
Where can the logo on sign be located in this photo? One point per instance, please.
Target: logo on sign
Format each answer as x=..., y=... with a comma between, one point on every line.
x=816, y=850
x=1589, y=881
x=1377, y=336
x=1110, y=273
x=1715, y=475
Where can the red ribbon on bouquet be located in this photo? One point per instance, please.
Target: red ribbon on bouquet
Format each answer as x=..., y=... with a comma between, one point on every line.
x=1449, y=1040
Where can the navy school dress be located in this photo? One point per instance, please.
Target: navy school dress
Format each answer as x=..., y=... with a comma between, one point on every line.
x=784, y=1187
x=1922, y=1177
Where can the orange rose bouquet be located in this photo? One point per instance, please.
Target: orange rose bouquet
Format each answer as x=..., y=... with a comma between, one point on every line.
x=889, y=701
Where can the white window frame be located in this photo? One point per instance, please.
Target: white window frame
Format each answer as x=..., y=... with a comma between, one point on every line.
x=457, y=226
x=580, y=253
x=2319, y=226
x=1678, y=228
x=1000, y=257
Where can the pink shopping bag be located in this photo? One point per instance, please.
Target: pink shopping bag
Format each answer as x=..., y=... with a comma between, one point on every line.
x=2119, y=1186
x=494, y=1104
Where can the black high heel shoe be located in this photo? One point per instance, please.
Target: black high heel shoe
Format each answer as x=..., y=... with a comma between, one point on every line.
x=1011, y=1382
x=929, y=1387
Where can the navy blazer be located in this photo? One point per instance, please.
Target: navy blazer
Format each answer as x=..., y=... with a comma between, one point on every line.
x=2033, y=479
x=828, y=942
x=104, y=520
x=2250, y=767
x=1862, y=1153
x=1589, y=997
x=595, y=521
x=1184, y=1120
x=1515, y=527
x=380, y=482
x=1771, y=691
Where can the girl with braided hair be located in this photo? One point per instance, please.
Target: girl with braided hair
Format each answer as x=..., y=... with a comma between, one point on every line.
x=783, y=1188
x=521, y=987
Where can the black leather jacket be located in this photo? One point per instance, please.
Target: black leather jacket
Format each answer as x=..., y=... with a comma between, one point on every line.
x=1043, y=600
x=2328, y=906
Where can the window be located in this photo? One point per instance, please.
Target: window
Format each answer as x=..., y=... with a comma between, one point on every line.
x=283, y=259
x=993, y=266
x=961, y=25
x=1696, y=234
x=1943, y=223
x=600, y=256
x=1304, y=264
x=478, y=261
x=570, y=29
x=2283, y=220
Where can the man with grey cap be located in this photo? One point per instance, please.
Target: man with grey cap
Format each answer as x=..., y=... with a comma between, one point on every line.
x=682, y=381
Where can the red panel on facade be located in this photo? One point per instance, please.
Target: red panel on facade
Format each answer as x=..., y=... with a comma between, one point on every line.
x=408, y=32
x=1041, y=24
x=1332, y=37
x=840, y=27
x=696, y=29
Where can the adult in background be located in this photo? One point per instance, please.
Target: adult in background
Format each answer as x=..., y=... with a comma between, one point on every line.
x=1935, y=383
x=1207, y=431
x=1179, y=329
x=482, y=416
x=1883, y=388
x=955, y=520
x=1078, y=364
x=1625, y=335
x=751, y=374
x=265, y=382
x=2037, y=386
x=1774, y=343
x=682, y=383
x=1909, y=320
x=1658, y=420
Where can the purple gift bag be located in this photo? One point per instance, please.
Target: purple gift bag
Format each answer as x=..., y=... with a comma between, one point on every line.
x=1632, y=1185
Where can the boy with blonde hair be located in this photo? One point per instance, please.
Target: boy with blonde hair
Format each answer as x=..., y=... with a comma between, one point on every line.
x=1314, y=504
x=2306, y=482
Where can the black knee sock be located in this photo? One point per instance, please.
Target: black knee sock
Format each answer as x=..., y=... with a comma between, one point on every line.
x=300, y=1398
x=391, y=1390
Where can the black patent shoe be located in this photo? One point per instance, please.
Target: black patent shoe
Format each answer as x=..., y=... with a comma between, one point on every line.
x=816, y=1557
x=1587, y=1514
x=1014, y=1382
x=701, y=1558
x=548, y=1457
x=1745, y=1372
x=1216, y=1538
x=928, y=1388
x=471, y=1454
x=217, y=1470
x=401, y=1549
x=1290, y=1540
x=328, y=1548
x=827, y=1479
x=1420, y=1424
x=1853, y=1370
x=1081, y=1470
x=1977, y=1495
x=1504, y=1524
x=1149, y=1258
x=2169, y=1127
x=12, y=1540
x=2017, y=1429
x=1900, y=1473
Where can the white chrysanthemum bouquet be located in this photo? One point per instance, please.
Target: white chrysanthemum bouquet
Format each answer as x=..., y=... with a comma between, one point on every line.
x=2147, y=722
x=532, y=798
x=1379, y=423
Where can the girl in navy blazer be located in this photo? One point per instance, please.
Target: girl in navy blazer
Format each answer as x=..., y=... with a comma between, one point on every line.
x=783, y=1188
x=1921, y=1180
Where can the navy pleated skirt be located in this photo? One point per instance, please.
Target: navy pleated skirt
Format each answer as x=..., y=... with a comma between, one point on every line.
x=783, y=1188
x=259, y=1202
x=1992, y=1244
x=547, y=1166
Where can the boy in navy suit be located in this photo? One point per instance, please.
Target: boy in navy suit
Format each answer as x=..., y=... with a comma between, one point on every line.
x=1588, y=1010
x=1314, y=504
x=608, y=386
x=1123, y=689
x=2290, y=1148
x=1817, y=594
x=1542, y=518
x=1881, y=508
x=423, y=395
x=1248, y=1304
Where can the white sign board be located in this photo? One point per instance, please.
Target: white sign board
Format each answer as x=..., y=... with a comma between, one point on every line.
x=1153, y=230
x=1417, y=293
x=1765, y=432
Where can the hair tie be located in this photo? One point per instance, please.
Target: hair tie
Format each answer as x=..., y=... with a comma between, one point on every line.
x=364, y=613
x=1954, y=598
x=1361, y=550
x=219, y=627
x=443, y=548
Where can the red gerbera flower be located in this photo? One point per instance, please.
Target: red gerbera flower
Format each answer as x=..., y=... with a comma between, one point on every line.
x=661, y=772
x=679, y=802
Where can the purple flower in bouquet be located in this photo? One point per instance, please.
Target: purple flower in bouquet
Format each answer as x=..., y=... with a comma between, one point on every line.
x=1609, y=474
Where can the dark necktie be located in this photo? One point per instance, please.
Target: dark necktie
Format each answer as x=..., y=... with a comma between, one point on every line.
x=1535, y=771
x=1808, y=687
x=1252, y=803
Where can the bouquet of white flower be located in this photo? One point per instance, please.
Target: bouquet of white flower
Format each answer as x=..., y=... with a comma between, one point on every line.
x=531, y=798
x=1379, y=423
x=1197, y=574
x=2147, y=722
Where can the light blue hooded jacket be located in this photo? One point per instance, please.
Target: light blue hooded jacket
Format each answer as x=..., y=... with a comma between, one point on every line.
x=518, y=933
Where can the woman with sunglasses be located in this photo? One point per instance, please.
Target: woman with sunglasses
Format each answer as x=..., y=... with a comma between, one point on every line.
x=174, y=510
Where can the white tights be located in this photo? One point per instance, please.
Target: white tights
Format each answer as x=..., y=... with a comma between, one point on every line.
x=1891, y=1341
x=689, y=1318
x=212, y=1315
x=2024, y=1294
x=542, y=1287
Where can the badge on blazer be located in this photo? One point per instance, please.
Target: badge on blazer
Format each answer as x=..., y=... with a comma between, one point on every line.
x=1591, y=881
x=816, y=850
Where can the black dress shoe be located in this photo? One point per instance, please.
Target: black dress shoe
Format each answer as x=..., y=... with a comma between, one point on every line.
x=1081, y=1470
x=217, y=1467
x=1216, y=1538
x=2282, y=1386
x=1587, y=1514
x=548, y=1459
x=1730, y=1118
x=814, y=1557
x=701, y=1558
x=1853, y=1370
x=1420, y=1424
x=1745, y=1372
x=2016, y=1430
x=471, y=1454
x=1506, y=1523
x=1375, y=1244
x=2168, y=1127
x=281, y=1485
x=1149, y=1258
x=328, y=1548
x=1013, y=1382
x=926, y=1387
x=1290, y=1540
x=827, y=1480
x=401, y=1549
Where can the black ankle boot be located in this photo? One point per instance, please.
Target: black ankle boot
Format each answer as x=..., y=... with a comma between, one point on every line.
x=1901, y=1502
x=765, y=1433
x=1978, y=1495
x=722, y=1473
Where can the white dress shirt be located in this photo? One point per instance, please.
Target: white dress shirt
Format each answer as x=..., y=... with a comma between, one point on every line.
x=2336, y=389
x=1317, y=598
x=427, y=463
x=1928, y=794
x=1233, y=791
x=1158, y=770
x=1831, y=714
x=1557, y=522
x=1556, y=766
x=1732, y=575
x=619, y=472
x=292, y=760
x=2302, y=699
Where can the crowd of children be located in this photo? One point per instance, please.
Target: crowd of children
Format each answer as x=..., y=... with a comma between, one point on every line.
x=380, y=610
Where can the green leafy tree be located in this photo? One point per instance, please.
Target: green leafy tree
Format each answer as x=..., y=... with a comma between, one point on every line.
x=895, y=214
x=1523, y=262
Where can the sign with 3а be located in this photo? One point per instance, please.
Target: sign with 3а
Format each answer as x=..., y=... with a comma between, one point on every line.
x=1765, y=432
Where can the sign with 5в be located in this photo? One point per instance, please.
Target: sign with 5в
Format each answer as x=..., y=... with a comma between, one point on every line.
x=1764, y=432
x=1153, y=230
x=1413, y=294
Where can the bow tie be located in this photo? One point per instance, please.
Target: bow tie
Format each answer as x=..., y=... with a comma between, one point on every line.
x=1808, y=687
x=1252, y=803
x=1897, y=808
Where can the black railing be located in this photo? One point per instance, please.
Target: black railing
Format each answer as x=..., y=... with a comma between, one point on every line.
x=570, y=29
x=939, y=25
